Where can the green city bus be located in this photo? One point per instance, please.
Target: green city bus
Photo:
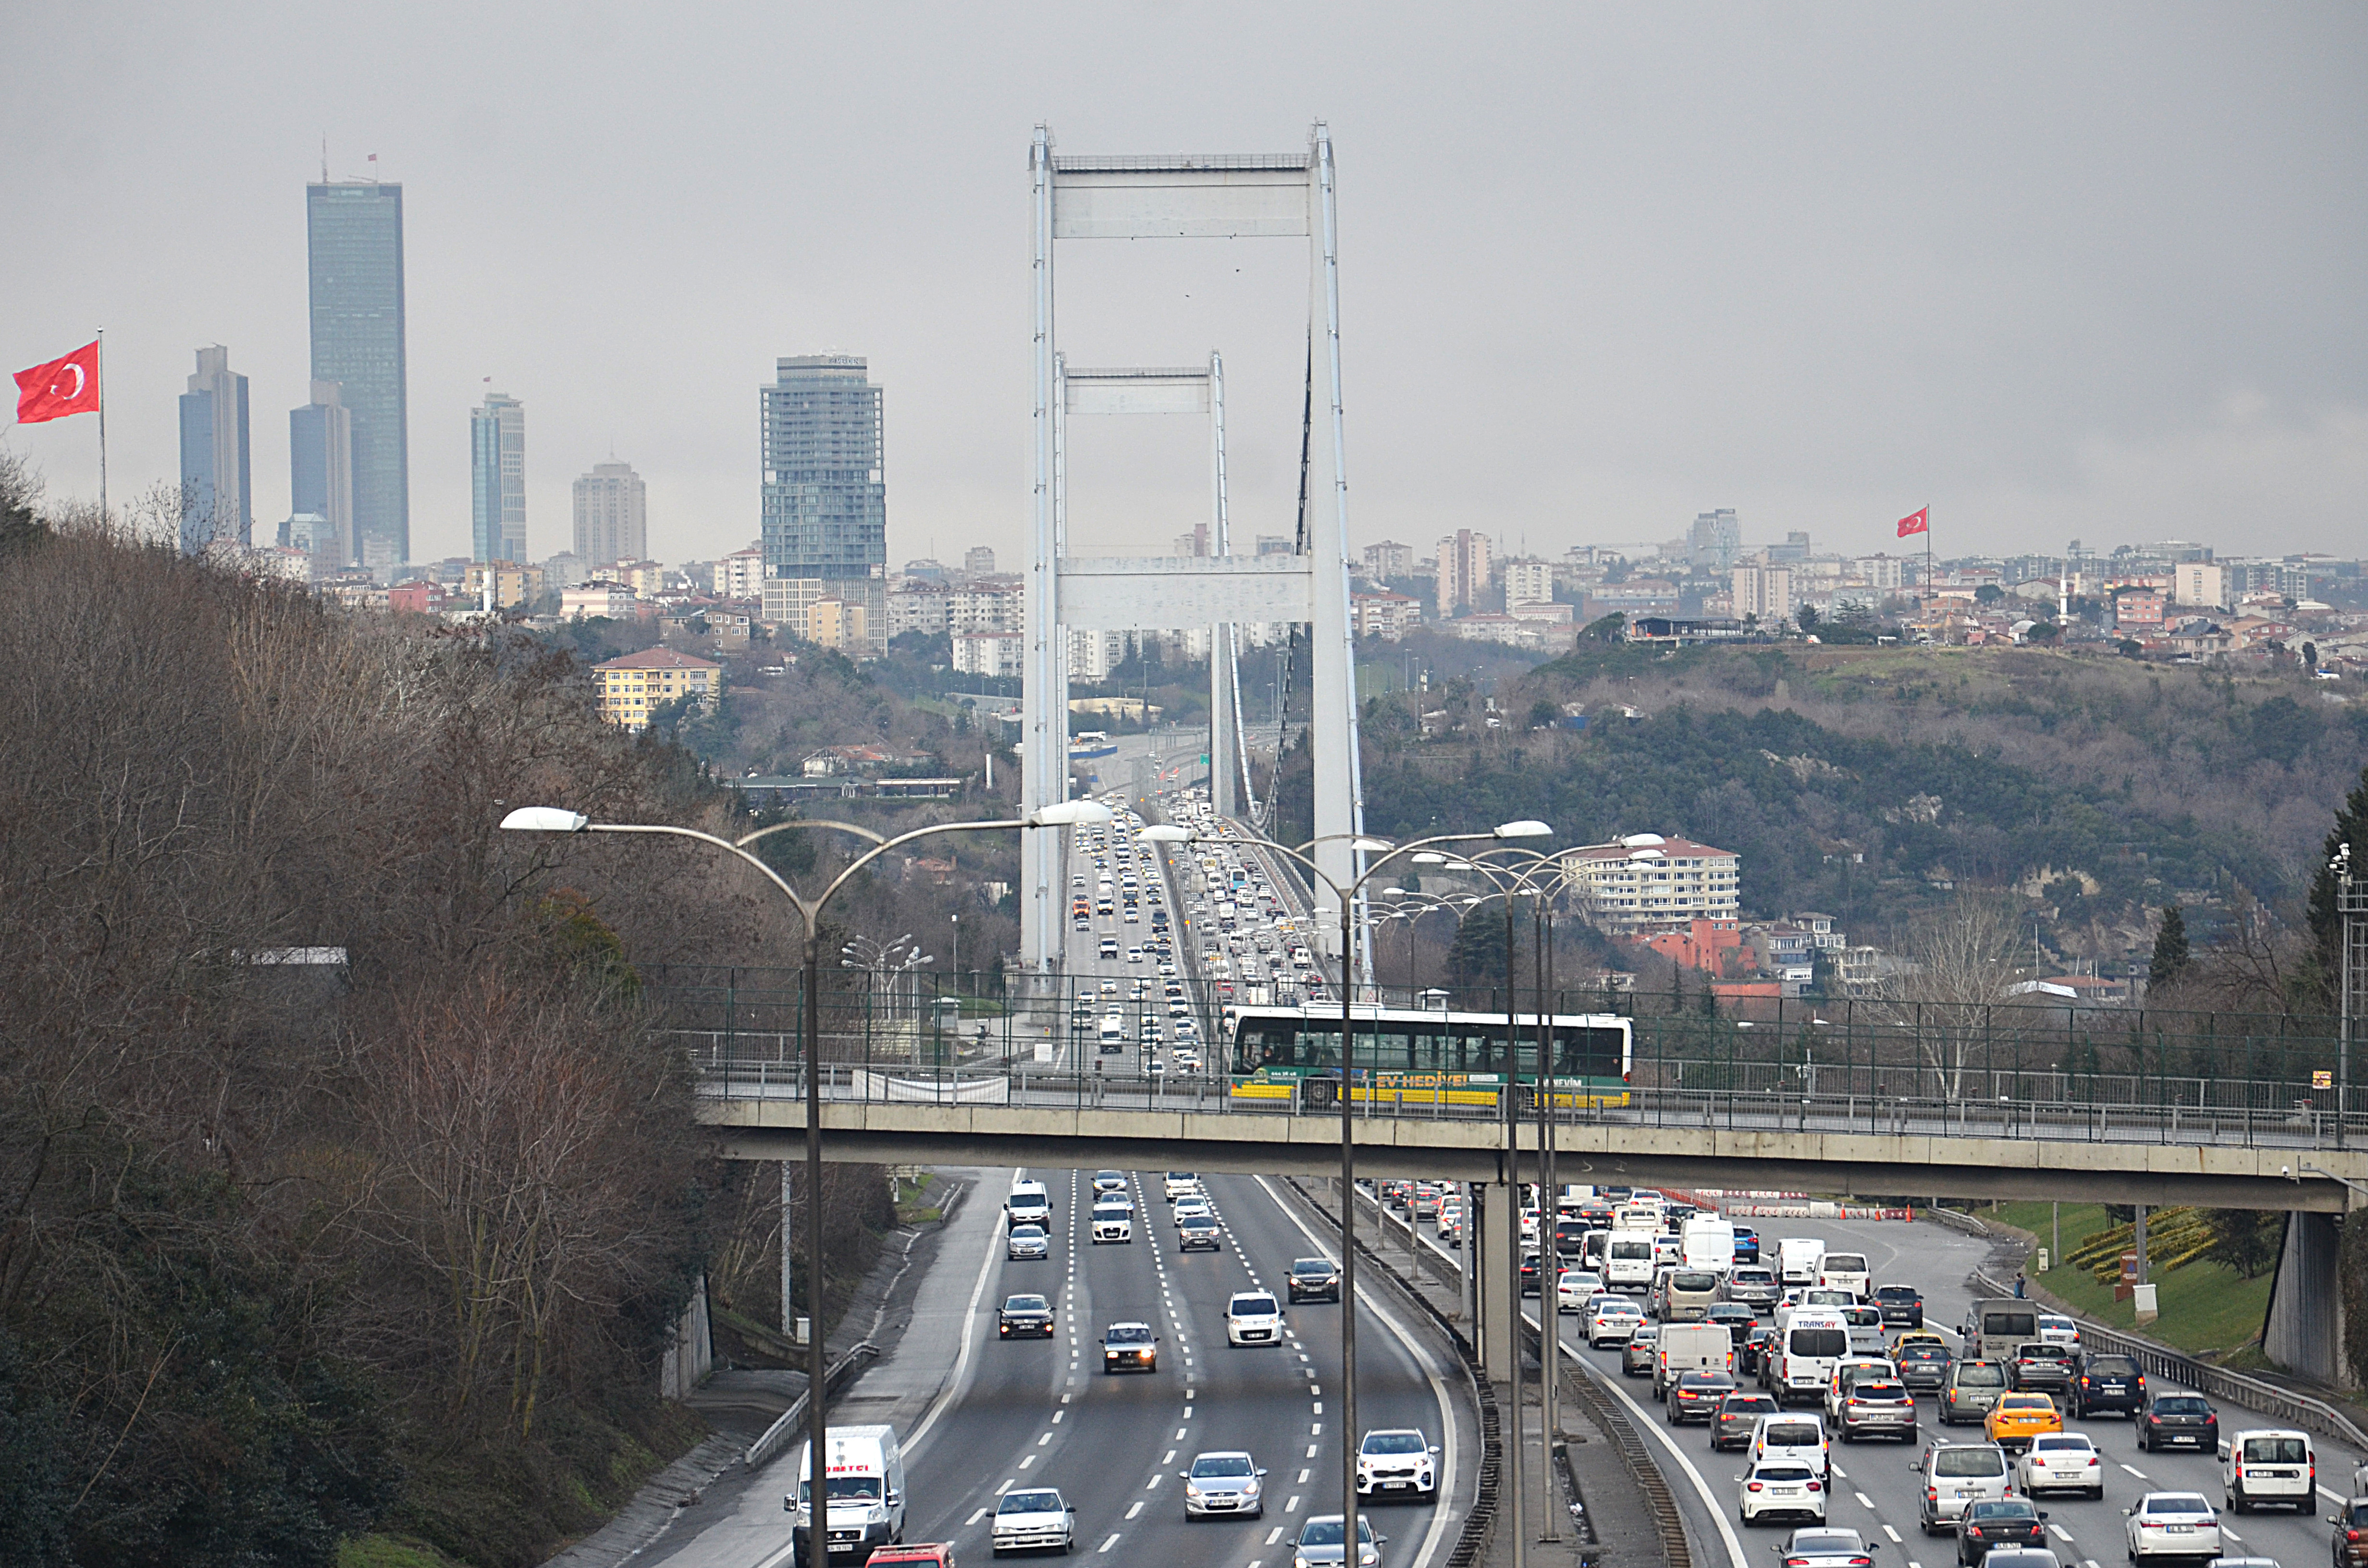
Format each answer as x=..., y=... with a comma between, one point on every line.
x=1429, y=1057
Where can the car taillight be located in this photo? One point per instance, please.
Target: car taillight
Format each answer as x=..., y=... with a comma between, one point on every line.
x=1816, y=1486
x=2351, y=1535
x=1931, y=1495
x=1753, y=1487
x=2094, y=1461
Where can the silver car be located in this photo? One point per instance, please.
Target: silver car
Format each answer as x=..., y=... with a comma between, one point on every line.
x=1038, y=1520
x=1222, y=1483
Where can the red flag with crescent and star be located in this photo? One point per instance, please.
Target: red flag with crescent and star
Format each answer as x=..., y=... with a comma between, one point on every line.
x=59, y=388
x=1916, y=522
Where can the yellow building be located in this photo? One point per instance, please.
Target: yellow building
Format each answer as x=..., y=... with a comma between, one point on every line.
x=515, y=581
x=834, y=624
x=634, y=684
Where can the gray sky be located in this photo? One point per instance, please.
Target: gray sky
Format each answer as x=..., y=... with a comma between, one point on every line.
x=2059, y=271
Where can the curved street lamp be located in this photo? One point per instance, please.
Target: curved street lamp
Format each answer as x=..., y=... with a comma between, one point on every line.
x=1346, y=895
x=557, y=819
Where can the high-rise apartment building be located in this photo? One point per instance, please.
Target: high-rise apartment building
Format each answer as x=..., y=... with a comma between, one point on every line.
x=1464, y=569
x=612, y=515
x=498, y=479
x=1763, y=591
x=1389, y=559
x=1716, y=540
x=978, y=560
x=321, y=473
x=354, y=246
x=216, y=489
x=825, y=500
x=1529, y=582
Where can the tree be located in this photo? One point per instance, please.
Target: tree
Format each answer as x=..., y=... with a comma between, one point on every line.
x=1608, y=629
x=1476, y=956
x=2246, y=1240
x=1806, y=617
x=1961, y=962
x=2326, y=923
x=1988, y=594
x=2169, y=960
x=2310, y=655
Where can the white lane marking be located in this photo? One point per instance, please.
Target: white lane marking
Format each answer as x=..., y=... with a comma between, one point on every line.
x=2232, y=1535
x=1319, y=1407
x=1058, y=1414
x=1839, y=1473
x=2064, y=1535
x=1311, y=1451
x=1171, y=1454
x=1864, y=1501
x=1892, y=1533
x=958, y=1384
x=1107, y=1544
x=1315, y=1429
x=1048, y=1438
x=2134, y=1470
x=1291, y=1506
x=975, y=1517
x=1274, y=1535
x=1009, y=1484
x=1180, y=1434
x=1028, y=1460
x=1136, y=1509
x=1153, y=1480
x=1304, y=1475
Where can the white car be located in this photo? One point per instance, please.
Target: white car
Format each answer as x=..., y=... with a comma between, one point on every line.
x=1196, y=1204
x=2067, y=1462
x=1610, y=1320
x=1225, y=1482
x=1577, y=1288
x=1398, y=1462
x=2057, y=1330
x=1038, y=1520
x=1825, y=1549
x=1253, y=1317
x=2173, y=1524
x=1780, y=1488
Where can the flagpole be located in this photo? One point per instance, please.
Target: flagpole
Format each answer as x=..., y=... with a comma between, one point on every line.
x=102, y=424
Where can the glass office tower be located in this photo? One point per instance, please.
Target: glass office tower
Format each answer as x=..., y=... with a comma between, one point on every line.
x=826, y=504
x=498, y=479
x=354, y=236
x=217, y=488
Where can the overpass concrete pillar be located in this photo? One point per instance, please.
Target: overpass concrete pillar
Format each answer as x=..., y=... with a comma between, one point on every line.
x=1499, y=1238
x=2305, y=1327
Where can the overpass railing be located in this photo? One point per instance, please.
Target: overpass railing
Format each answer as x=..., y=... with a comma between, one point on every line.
x=2010, y=1070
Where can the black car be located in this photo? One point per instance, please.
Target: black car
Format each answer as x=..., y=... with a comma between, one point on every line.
x=2037, y=1367
x=1902, y=1306
x=2010, y=1522
x=2178, y=1421
x=1923, y=1368
x=1024, y=1317
x=1754, y=1350
x=2110, y=1384
x=1529, y=1274
x=1738, y=1321
x=1314, y=1279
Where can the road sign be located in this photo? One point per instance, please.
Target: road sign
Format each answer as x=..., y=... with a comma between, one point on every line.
x=2322, y=1079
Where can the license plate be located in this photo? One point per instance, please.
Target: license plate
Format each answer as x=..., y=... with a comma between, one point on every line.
x=2180, y=1530
x=1395, y=1485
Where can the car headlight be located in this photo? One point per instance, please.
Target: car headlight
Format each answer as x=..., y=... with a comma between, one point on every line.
x=1252, y=1490
x=1190, y=1490
x=877, y=1515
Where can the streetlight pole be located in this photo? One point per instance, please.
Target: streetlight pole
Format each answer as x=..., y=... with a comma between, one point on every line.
x=1346, y=897
x=553, y=819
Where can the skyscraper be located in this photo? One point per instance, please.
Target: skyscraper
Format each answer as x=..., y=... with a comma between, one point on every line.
x=217, y=487
x=611, y=515
x=498, y=479
x=1717, y=539
x=826, y=504
x=354, y=240
x=321, y=470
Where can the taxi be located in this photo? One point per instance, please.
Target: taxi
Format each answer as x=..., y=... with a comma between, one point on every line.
x=1918, y=1337
x=2017, y=1418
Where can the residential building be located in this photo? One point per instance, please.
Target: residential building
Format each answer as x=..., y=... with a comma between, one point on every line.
x=2199, y=583
x=309, y=532
x=926, y=568
x=634, y=683
x=498, y=480
x=998, y=655
x=321, y=473
x=515, y=583
x=354, y=245
x=1385, y=615
x=1764, y=591
x=1094, y=654
x=1195, y=543
x=786, y=602
x=2142, y=608
x=1389, y=559
x=988, y=603
x=918, y=606
x=598, y=599
x=565, y=570
x=418, y=597
x=1529, y=582
x=1883, y=573
x=978, y=560
x=1786, y=954
x=825, y=499
x=646, y=578
x=741, y=575
x=1794, y=551
x=612, y=513
x=1714, y=946
x=1541, y=613
x=1464, y=571
x=216, y=486
x=1716, y=541
x=839, y=624
x=1646, y=880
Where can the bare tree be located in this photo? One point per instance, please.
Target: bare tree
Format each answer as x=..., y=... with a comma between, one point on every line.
x=1960, y=965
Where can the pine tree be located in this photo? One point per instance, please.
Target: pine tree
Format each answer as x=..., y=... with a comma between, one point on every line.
x=2326, y=924
x=2169, y=948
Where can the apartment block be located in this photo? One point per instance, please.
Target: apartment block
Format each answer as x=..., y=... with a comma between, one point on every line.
x=1647, y=881
x=997, y=655
x=633, y=684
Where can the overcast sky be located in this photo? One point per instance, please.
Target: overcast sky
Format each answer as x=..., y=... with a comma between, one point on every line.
x=2059, y=271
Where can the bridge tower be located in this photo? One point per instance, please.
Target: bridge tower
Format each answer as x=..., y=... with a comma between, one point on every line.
x=1285, y=195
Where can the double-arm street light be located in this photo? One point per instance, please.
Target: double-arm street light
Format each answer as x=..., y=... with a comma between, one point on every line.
x=556, y=819
x=1346, y=895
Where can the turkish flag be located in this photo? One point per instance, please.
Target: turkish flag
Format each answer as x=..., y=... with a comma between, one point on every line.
x=59, y=388
x=1916, y=522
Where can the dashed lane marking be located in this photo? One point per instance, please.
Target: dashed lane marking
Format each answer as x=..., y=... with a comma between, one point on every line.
x=2064, y=1535
x=1028, y=1460
x=975, y=1517
x=1107, y=1544
x=1889, y=1531
x=1136, y=1509
x=1291, y=1506
x=1274, y=1535
x=2136, y=1470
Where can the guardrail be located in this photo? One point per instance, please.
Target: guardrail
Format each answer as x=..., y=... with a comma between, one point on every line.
x=2160, y=1360
x=1019, y=1082
x=792, y=1420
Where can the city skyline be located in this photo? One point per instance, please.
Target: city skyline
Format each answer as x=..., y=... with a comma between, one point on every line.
x=2162, y=324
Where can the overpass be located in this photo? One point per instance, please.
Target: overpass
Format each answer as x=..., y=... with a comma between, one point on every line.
x=1838, y=1144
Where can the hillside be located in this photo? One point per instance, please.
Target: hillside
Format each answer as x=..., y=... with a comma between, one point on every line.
x=1866, y=783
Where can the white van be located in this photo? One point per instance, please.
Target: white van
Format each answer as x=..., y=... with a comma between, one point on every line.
x=1113, y=1222
x=1798, y=1259
x=1809, y=1345
x=1110, y=1035
x=1797, y=1439
x=1645, y=1217
x=1628, y=1261
x=1708, y=1242
x=1847, y=1271
x=864, y=1469
x=1691, y=1347
x=2269, y=1466
x=1028, y=1204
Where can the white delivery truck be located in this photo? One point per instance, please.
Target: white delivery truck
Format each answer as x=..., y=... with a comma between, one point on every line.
x=1809, y=1342
x=1628, y=1261
x=1798, y=1259
x=1691, y=1347
x=1708, y=1242
x=863, y=1469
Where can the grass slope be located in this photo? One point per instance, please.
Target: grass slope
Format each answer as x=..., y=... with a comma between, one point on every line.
x=2207, y=1311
